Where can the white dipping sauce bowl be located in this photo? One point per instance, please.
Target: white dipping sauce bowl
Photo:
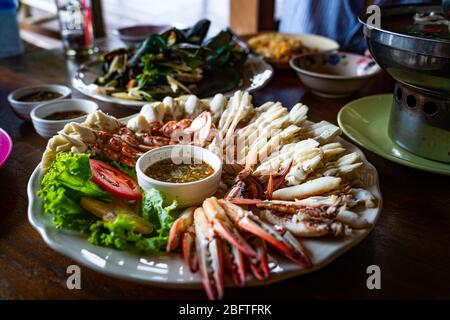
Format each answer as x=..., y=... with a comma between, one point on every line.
x=48, y=128
x=186, y=194
x=23, y=108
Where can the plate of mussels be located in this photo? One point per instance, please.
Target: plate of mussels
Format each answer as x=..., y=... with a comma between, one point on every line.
x=173, y=63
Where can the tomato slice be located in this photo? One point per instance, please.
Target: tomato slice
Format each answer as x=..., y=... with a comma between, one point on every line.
x=114, y=181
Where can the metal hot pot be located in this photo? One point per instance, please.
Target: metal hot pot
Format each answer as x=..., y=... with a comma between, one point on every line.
x=419, y=60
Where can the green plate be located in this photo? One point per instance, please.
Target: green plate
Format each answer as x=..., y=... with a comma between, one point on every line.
x=365, y=121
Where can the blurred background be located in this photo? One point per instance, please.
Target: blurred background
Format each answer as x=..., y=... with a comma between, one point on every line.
x=39, y=24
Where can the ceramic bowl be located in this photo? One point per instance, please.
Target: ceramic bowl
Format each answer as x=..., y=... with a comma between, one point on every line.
x=334, y=74
x=186, y=194
x=49, y=128
x=134, y=35
x=23, y=109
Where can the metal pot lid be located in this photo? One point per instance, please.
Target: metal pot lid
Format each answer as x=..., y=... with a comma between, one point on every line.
x=399, y=30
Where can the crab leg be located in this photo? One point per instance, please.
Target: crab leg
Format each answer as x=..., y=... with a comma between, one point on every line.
x=306, y=226
x=270, y=187
x=312, y=214
x=245, y=201
x=182, y=231
x=260, y=267
x=291, y=207
x=235, y=191
x=189, y=254
x=224, y=227
x=234, y=263
x=298, y=208
x=179, y=227
x=349, y=199
x=210, y=256
x=280, y=239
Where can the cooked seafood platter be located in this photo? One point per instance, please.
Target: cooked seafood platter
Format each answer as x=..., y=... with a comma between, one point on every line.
x=218, y=192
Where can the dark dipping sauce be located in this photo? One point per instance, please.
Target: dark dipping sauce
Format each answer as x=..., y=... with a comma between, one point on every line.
x=40, y=96
x=167, y=171
x=65, y=115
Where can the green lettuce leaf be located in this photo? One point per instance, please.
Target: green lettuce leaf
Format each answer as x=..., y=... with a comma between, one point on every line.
x=119, y=233
x=73, y=171
x=68, y=179
x=158, y=212
x=65, y=209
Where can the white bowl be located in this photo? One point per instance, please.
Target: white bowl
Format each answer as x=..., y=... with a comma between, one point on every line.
x=334, y=74
x=23, y=109
x=186, y=194
x=49, y=128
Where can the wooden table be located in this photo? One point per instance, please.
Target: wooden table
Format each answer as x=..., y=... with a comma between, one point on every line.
x=410, y=242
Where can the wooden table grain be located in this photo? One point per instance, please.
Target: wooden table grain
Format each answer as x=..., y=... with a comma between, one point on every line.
x=410, y=242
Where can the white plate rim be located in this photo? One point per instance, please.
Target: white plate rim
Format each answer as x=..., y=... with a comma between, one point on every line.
x=194, y=282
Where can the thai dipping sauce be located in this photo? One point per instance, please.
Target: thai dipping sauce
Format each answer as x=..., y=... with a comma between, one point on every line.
x=65, y=115
x=40, y=96
x=168, y=171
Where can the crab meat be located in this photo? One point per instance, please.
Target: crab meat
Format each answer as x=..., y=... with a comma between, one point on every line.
x=312, y=187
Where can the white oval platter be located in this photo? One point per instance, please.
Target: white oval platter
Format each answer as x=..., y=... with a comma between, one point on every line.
x=167, y=270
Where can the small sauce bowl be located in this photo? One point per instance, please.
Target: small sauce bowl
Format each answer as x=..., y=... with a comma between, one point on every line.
x=23, y=108
x=48, y=128
x=186, y=194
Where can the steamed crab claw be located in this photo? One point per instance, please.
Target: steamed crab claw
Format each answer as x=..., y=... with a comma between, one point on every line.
x=280, y=238
x=189, y=254
x=179, y=227
x=224, y=227
x=210, y=256
x=234, y=263
x=260, y=266
x=183, y=231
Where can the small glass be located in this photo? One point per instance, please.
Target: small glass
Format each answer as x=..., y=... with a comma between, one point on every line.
x=75, y=18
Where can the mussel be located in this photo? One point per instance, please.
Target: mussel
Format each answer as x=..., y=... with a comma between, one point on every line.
x=197, y=33
x=154, y=43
